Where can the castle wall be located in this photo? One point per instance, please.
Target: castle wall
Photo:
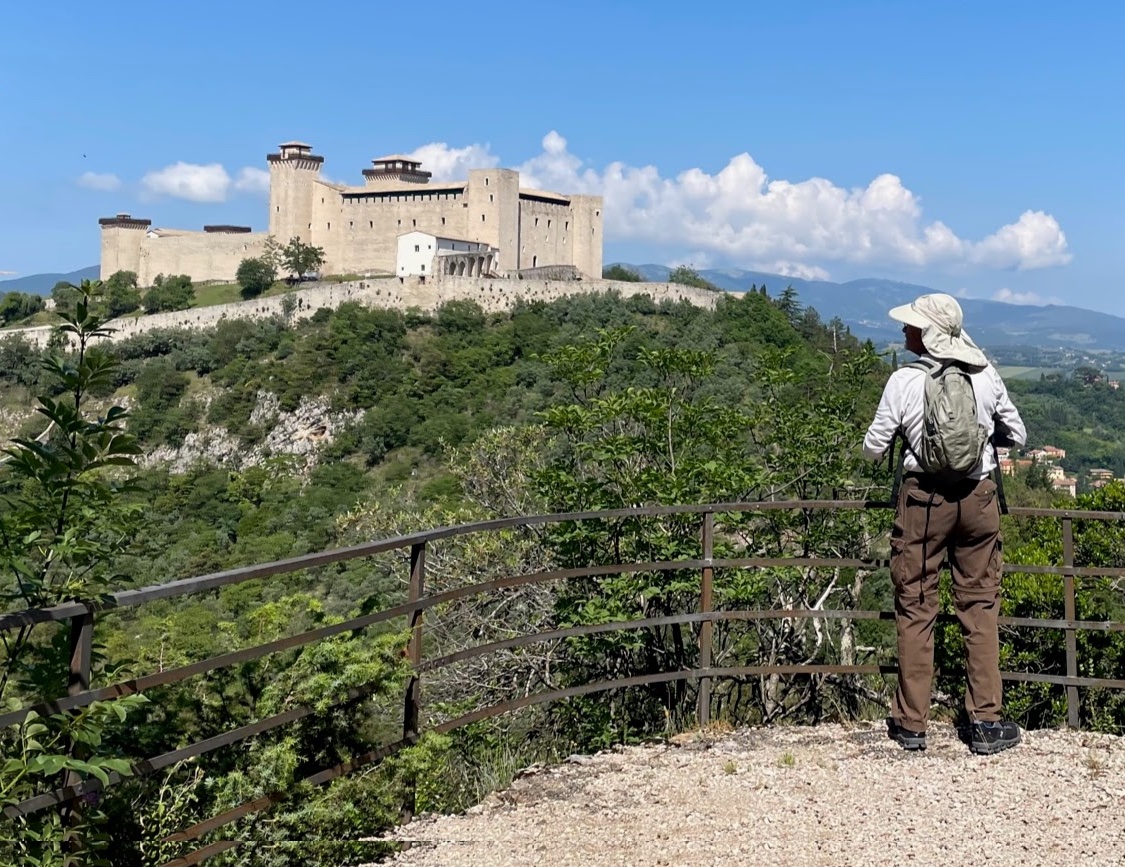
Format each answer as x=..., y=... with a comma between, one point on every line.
x=492, y=294
x=202, y=255
x=545, y=234
x=359, y=233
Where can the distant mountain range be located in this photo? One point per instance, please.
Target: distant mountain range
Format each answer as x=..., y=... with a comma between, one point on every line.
x=863, y=305
x=42, y=284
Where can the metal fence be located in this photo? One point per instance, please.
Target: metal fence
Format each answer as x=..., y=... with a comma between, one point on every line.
x=81, y=616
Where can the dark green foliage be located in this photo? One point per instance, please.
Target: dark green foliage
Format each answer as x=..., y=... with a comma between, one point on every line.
x=65, y=524
x=620, y=272
x=254, y=276
x=169, y=293
x=300, y=258
x=688, y=276
x=1087, y=420
x=65, y=296
x=119, y=295
x=15, y=306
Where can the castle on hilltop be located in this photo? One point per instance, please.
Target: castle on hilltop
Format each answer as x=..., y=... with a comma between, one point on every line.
x=397, y=223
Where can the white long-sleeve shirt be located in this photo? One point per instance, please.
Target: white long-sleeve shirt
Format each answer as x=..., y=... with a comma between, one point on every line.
x=901, y=406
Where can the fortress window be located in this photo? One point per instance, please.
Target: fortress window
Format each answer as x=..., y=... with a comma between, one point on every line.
x=371, y=224
x=443, y=221
x=278, y=209
x=536, y=221
x=329, y=226
x=486, y=182
x=414, y=222
x=597, y=213
x=417, y=248
x=548, y=223
x=482, y=218
x=350, y=224
x=423, y=269
x=400, y=222
x=322, y=200
x=490, y=197
x=566, y=227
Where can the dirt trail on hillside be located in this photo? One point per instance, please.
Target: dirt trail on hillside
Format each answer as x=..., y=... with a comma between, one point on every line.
x=824, y=795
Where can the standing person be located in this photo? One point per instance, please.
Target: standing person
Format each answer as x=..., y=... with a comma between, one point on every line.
x=947, y=507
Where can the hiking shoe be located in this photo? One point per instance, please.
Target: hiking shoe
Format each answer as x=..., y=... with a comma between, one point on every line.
x=908, y=739
x=986, y=738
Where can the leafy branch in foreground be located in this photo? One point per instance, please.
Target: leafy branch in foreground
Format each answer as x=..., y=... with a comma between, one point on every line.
x=63, y=526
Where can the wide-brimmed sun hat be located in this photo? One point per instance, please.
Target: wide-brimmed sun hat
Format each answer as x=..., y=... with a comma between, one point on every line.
x=939, y=317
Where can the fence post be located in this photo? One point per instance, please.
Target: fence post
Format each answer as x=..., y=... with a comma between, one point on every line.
x=413, y=711
x=81, y=660
x=1070, y=613
x=703, y=714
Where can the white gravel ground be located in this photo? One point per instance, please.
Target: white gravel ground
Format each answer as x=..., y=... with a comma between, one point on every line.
x=824, y=795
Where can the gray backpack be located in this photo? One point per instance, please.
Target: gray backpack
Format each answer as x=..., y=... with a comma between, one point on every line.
x=953, y=438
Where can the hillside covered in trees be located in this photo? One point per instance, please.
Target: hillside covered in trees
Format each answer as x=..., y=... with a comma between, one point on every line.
x=592, y=402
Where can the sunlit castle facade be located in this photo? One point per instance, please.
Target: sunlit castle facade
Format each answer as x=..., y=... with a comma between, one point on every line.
x=363, y=229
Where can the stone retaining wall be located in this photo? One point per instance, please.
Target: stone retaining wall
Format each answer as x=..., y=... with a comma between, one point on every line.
x=493, y=294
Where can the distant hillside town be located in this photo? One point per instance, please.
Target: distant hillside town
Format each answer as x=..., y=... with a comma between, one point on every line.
x=1048, y=457
x=398, y=223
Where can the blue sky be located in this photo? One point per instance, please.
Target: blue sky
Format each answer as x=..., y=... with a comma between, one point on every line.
x=971, y=147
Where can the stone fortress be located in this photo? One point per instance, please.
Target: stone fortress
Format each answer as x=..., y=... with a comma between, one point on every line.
x=485, y=240
x=398, y=223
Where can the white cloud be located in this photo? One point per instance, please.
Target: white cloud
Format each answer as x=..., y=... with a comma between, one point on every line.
x=102, y=182
x=793, y=269
x=453, y=164
x=196, y=183
x=8, y=273
x=1009, y=296
x=252, y=180
x=740, y=215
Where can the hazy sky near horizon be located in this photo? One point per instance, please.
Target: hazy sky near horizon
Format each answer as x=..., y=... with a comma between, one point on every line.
x=974, y=148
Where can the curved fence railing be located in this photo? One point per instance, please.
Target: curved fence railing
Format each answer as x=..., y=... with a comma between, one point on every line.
x=81, y=617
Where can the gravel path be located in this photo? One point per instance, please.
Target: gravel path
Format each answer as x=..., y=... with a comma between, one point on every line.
x=824, y=795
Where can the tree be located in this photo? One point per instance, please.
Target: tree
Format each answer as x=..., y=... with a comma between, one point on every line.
x=169, y=293
x=65, y=295
x=788, y=304
x=301, y=258
x=273, y=253
x=666, y=438
x=255, y=277
x=15, y=306
x=687, y=276
x=119, y=294
x=64, y=527
x=620, y=272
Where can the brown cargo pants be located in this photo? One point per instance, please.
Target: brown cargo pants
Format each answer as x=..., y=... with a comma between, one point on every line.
x=960, y=523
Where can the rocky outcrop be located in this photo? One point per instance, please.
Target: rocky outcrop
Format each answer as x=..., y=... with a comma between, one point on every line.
x=301, y=433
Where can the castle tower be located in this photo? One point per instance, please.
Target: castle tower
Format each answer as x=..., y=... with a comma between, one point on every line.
x=493, y=213
x=121, y=244
x=588, y=231
x=293, y=171
x=393, y=172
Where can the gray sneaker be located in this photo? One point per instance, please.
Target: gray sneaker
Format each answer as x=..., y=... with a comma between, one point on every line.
x=907, y=739
x=986, y=738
